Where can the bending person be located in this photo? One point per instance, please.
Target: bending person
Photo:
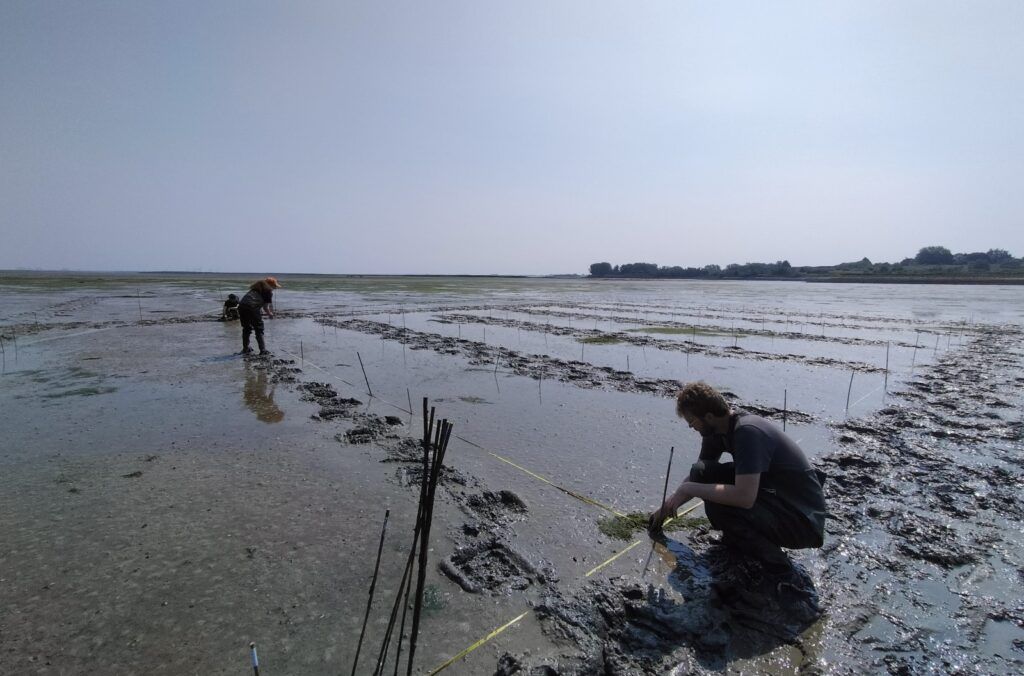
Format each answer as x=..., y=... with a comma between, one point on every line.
x=230, y=311
x=769, y=497
x=258, y=301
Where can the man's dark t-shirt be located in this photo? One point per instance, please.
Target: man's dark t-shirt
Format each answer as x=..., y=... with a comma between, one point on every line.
x=759, y=447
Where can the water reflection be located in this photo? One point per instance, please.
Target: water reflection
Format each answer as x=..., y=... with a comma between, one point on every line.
x=258, y=395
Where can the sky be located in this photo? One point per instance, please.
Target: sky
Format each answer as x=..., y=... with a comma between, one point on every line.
x=505, y=138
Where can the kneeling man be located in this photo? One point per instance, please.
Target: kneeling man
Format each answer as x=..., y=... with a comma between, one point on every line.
x=769, y=497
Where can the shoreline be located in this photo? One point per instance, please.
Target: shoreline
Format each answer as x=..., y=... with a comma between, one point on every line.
x=127, y=275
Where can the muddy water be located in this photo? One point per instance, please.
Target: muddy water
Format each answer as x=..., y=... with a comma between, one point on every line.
x=165, y=502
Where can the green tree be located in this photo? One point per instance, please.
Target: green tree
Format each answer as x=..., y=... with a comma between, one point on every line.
x=934, y=255
x=600, y=269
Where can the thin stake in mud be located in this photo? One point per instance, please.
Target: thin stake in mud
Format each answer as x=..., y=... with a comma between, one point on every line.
x=885, y=385
x=373, y=585
x=917, y=339
x=302, y=355
x=138, y=297
x=254, y=659
x=3, y=351
x=784, y=402
x=848, y=390
x=664, y=494
x=368, y=390
x=408, y=395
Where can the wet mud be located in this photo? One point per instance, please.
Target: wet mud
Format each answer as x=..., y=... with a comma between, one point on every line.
x=928, y=491
x=682, y=328
x=543, y=367
x=715, y=608
x=687, y=346
x=924, y=492
x=491, y=567
x=774, y=315
x=921, y=495
x=278, y=370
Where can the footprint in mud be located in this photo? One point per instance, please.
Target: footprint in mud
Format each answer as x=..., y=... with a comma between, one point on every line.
x=491, y=567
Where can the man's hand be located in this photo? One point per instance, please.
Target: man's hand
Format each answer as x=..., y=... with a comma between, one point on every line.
x=658, y=517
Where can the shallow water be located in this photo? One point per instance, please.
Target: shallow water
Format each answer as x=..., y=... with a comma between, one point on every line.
x=131, y=376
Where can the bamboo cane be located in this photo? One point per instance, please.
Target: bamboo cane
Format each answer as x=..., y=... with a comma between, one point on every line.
x=373, y=586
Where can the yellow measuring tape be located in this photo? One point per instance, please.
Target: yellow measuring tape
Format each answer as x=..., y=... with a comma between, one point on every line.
x=479, y=643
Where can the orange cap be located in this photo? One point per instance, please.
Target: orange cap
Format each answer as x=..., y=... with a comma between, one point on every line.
x=272, y=281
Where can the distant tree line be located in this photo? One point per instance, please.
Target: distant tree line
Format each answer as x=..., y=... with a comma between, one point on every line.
x=930, y=260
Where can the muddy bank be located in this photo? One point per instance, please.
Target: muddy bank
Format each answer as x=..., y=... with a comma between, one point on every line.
x=542, y=367
x=927, y=494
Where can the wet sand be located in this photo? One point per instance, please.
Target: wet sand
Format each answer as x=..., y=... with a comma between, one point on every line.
x=164, y=503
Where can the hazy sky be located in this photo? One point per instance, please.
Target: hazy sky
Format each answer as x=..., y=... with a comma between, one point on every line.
x=512, y=137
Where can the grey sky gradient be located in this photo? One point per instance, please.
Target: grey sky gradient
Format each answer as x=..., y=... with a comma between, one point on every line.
x=514, y=137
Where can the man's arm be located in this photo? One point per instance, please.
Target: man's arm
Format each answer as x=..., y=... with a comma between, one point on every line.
x=742, y=494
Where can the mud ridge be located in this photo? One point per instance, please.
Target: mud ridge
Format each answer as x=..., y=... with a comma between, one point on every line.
x=687, y=346
x=928, y=490
x=743, y=332
x=539, y=367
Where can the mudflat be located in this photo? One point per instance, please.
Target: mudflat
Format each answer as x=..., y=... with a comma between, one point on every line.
x=165, y=501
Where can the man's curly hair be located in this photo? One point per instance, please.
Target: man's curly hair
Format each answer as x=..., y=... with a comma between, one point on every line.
x=699, y=398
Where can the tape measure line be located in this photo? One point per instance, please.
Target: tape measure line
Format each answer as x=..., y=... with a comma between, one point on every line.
x=594, y=570
x=479, y=643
